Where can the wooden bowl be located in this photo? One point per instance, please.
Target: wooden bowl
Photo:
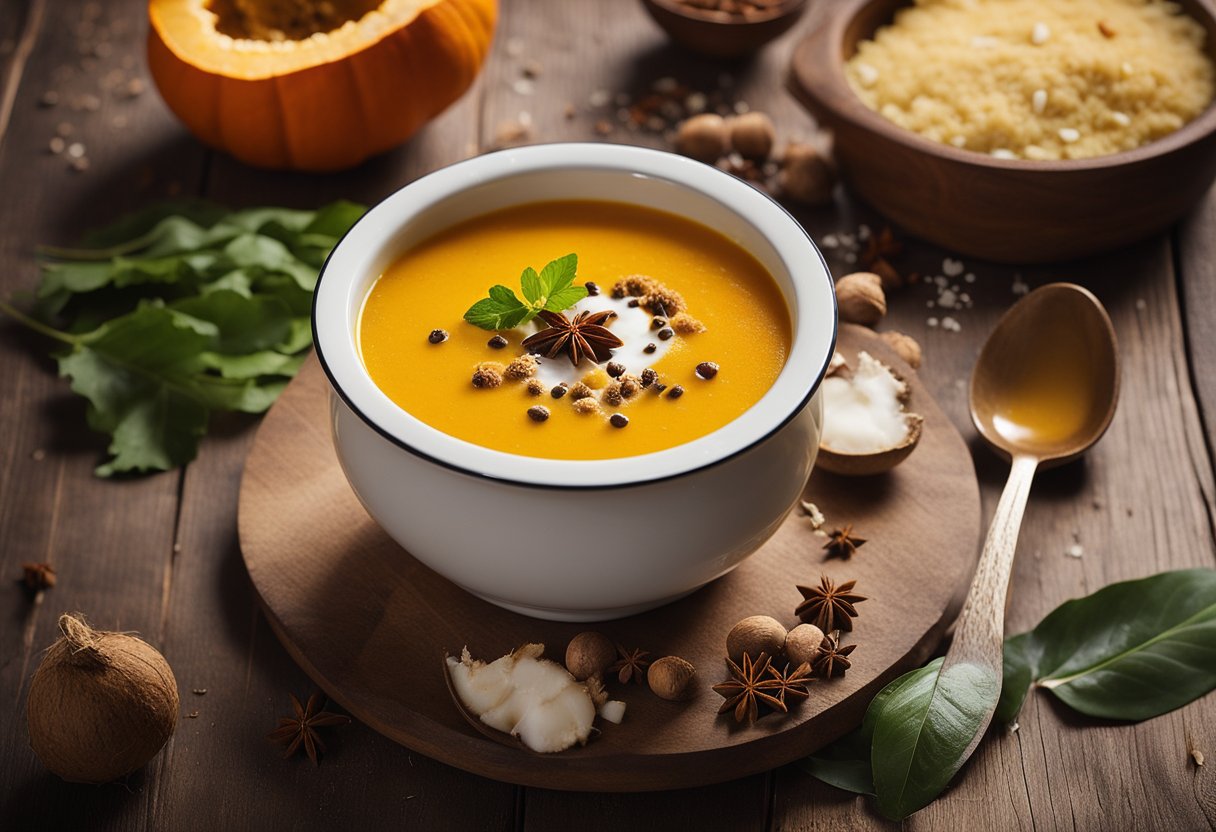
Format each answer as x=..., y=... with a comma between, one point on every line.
x=721, y=35
x=1003, y=210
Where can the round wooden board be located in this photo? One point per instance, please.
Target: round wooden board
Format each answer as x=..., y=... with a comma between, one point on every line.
x=371, y=625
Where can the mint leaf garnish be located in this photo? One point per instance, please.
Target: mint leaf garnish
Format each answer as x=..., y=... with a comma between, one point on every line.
x=533, y=286
x=559, y=274
x=550, y=290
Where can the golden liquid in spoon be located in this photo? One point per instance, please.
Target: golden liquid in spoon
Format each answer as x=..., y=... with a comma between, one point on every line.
x=1046, y=401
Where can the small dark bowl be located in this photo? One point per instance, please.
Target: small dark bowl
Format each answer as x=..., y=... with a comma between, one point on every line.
x=720, y=35
x=1003, y=210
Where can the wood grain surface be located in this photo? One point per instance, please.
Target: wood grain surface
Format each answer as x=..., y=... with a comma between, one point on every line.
x=1142, y=501
x=370, y=624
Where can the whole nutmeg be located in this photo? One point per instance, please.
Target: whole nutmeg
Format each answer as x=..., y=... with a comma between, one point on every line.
x=754, y=635
x=802, y=644
x=751, y=135
x=704, y=137
x=670, y=676
x=589, y=654
x=860, y=298
x=806, y=175
x=905, y=347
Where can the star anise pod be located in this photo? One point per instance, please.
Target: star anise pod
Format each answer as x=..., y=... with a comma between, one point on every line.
x=748, y=686
x=301, y=730
x=631, y=665
x=842, y=544
x=37, y=576
x=584, y=336
x=833, y=660
x=792, y=683
x=881, y=246
x=829, y=607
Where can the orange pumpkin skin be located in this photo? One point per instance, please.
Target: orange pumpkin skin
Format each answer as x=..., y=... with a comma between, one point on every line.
x=332, y=115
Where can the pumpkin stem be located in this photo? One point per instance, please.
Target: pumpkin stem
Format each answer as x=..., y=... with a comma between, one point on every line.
x=82, y=639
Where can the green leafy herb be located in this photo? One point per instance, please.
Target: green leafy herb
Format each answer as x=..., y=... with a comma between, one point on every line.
x=552, y=290
x=180, y=310
x=1132, y=650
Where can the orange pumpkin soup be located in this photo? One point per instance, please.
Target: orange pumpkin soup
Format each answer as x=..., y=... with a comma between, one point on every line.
x=746, y=332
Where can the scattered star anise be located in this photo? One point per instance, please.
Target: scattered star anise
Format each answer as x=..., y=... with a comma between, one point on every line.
x=747, y=687
x=584, y=336
x=833, y=660
x=842, y=544
x=792, y=683
x=876, y=257
x=37, y=576
x=631, y=665
x=881, y=246
x=301, y=730
x=829, y=607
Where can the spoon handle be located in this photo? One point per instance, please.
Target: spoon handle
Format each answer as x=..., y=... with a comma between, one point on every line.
x=980, y=631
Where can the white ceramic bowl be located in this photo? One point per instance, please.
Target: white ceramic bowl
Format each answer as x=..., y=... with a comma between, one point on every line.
x=551, y=538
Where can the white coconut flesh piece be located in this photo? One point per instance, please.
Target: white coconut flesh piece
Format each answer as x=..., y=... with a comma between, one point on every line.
x=864, y=411
x=527, y=696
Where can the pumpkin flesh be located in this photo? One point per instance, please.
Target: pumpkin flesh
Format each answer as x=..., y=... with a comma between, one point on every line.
x=314, y=86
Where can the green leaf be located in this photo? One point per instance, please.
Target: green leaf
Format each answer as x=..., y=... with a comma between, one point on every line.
x=335, y=219
x=245, y=324
x=181, y=309
x=1131, y=650
x=253, y=365
x=501, y=310
x=924, y=732
x=1017, y=676
x=299, y=337
x=844, y=764
x=530, y=282
x=137, y=374
x=254, y=250
x=565, y=298
x=558, y=274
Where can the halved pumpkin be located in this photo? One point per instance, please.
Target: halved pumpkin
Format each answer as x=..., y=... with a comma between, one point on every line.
x=310, y=85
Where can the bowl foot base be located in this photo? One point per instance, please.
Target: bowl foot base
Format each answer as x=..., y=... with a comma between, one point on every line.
x=580, y=615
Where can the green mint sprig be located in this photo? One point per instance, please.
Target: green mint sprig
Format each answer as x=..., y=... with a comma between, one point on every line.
x=552, y=290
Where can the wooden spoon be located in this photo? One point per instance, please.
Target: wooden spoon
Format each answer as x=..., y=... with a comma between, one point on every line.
x=1043, y=391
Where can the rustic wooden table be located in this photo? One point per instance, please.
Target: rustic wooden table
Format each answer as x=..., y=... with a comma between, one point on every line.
x=159, y=554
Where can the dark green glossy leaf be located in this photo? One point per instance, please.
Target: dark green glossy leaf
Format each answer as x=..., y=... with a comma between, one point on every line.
x=924, y=731
x=1131, y=650
x=1016, y=678
x=844, y=764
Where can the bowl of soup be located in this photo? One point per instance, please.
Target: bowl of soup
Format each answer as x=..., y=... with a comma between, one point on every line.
x=663, y=457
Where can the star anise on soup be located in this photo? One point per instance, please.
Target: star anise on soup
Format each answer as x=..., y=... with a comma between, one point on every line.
x=842, y=544
x=828, y=606
x=584, y=336
x=748, y=687
x=791, y=684
x=833, y=660
x=301, y=729
x=631, y=665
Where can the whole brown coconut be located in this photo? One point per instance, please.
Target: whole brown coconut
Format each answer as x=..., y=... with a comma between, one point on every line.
x=101, y=704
